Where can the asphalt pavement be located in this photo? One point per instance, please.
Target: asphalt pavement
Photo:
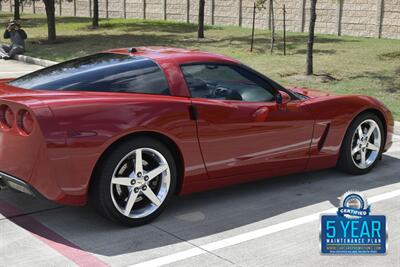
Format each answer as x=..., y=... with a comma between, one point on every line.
x=273, y=222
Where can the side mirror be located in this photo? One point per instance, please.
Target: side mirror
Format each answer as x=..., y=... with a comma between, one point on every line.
x=282, y=98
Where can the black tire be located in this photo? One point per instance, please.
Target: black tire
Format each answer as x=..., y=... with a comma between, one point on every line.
x=345, y=162
x=100, y=196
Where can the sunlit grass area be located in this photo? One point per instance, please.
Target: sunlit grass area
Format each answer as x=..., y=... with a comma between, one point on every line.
x=358, y=65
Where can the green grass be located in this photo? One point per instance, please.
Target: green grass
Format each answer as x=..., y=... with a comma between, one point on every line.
x=360, y=65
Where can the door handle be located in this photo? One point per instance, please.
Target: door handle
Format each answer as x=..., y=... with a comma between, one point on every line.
x=261, y=114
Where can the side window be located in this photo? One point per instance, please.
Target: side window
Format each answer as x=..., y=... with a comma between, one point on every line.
x=146, y=79
x=226, y=83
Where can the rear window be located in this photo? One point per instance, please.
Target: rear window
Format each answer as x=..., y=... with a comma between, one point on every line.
x=105, y=72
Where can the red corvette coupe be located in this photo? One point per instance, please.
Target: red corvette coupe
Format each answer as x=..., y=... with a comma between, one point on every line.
x=126, y=129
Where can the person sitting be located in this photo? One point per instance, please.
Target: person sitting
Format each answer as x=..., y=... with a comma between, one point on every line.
x=17, y=36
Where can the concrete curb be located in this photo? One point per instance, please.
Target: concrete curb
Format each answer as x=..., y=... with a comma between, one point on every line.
x=397, y=127
x=35, y=61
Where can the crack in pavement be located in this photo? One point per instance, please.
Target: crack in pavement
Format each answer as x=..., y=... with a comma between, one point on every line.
x=30, y=213
x=196, y=246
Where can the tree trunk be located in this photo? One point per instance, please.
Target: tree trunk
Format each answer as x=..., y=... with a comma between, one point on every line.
x=17, y=15
x=200, y=32
x=95, y=20
x=271, y=3
x=51, y=20
x=310, y=43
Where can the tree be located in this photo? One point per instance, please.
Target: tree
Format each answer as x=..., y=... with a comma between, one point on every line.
x=311, y=37
x=17, y=15
x=261, y=5
x=95, y=19
x=271, y=3
x=51, y=20
x=200, y=31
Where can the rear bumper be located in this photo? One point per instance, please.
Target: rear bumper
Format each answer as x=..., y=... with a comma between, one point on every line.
x=18, y=184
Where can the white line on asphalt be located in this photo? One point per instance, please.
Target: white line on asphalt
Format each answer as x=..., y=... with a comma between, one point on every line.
x=227, y=242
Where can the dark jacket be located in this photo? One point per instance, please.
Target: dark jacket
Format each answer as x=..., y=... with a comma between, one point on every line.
x=17, y=37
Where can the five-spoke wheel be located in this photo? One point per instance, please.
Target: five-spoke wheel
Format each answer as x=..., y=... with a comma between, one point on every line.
x=362, y=145
x=366, y=144
x=135, y=181
x=140, y=182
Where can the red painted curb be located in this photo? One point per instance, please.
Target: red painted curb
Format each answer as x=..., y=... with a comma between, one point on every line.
x=52, y=239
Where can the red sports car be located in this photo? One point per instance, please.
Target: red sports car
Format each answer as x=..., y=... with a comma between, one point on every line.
x=126, y=129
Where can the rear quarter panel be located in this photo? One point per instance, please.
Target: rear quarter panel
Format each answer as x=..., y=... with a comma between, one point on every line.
x=92, y=122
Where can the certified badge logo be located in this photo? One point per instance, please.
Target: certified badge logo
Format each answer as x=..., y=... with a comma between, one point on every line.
x=353, y=205
x=353, y=230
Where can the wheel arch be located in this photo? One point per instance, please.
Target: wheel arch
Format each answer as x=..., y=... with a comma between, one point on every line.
x=374, y=111
x=343, y=159
x=172, y=146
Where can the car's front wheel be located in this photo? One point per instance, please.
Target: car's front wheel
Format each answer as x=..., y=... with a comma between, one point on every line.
x=363, y=144
x=134, y=181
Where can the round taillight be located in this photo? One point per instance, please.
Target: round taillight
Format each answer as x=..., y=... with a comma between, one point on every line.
x=26, y=121
x=9, y=117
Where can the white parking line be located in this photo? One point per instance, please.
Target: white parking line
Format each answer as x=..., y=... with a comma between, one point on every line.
x=227, y=242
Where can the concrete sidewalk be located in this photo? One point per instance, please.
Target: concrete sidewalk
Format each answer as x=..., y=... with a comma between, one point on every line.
x=13, y=68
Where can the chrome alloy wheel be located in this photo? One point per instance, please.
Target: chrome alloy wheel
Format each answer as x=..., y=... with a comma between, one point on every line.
x=140, y=183
x=366, y=144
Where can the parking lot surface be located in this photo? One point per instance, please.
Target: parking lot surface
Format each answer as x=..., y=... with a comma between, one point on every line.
x=273, y=222
x=12, y=68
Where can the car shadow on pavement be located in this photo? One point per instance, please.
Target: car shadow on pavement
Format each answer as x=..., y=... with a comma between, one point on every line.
x=197, y=217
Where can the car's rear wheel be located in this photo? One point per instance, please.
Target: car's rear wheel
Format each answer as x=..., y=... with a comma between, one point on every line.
x=134, y=181
x=363, y=144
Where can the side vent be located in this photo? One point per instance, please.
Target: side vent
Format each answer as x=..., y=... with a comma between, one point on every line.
x=323, y=137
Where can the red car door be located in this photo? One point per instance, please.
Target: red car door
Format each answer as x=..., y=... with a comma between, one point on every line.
x=241, y=128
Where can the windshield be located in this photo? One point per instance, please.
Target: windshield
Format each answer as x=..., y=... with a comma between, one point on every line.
x=104, y=72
